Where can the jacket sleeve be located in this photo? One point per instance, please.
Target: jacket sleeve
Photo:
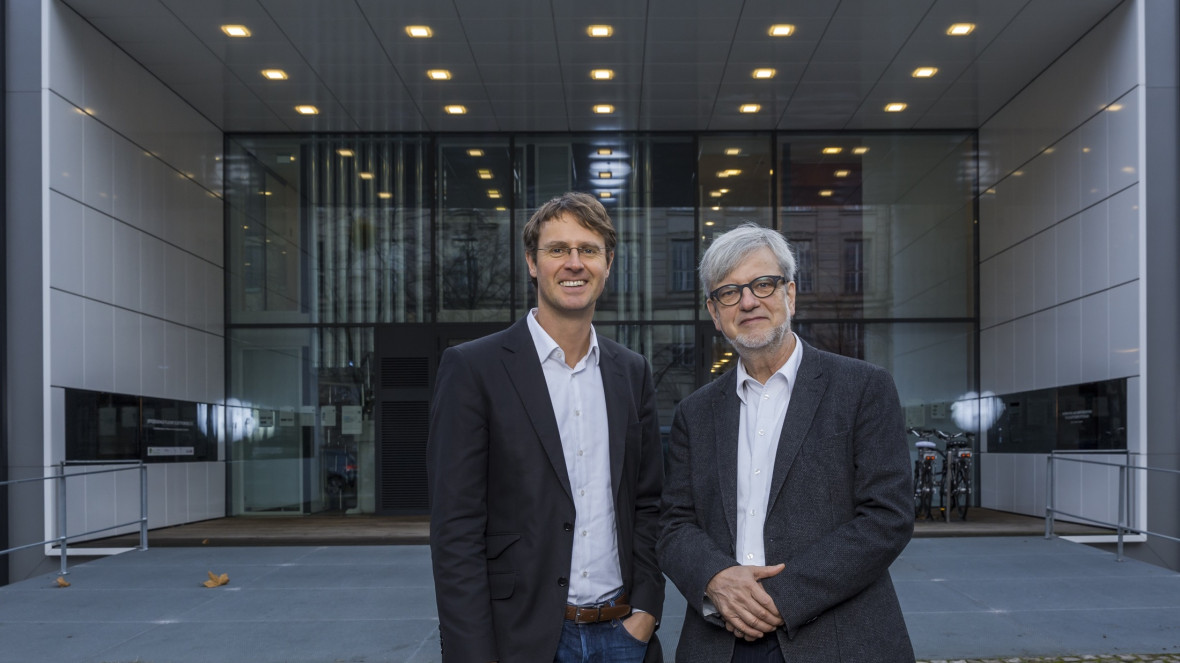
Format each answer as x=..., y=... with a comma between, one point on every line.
x=689, y=555
x=457, y=467
x=647, y=590
x=858, y=552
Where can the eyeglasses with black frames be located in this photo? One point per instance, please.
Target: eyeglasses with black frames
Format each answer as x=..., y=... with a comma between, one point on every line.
x=762, y=287
x=561, y=251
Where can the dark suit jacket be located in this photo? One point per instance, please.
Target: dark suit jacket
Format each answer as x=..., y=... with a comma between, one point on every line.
x=840, y=511
x=501, y=526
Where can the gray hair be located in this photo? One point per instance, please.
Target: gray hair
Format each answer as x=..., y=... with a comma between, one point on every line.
x=729, y=249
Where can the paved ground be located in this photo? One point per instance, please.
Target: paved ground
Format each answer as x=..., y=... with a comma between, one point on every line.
x=989, y=598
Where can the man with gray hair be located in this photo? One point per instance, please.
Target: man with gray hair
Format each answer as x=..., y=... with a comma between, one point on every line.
x=787, y=491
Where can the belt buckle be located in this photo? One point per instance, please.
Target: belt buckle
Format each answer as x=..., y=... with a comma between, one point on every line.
x=583, y=618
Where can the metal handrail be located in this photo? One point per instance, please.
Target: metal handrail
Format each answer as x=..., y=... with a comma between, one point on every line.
x=1123, y=524
x=62, y=539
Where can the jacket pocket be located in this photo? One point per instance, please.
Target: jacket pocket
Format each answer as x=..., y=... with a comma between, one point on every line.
x=501, y=585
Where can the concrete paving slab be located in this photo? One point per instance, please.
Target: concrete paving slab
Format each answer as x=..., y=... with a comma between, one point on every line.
x=969, y=598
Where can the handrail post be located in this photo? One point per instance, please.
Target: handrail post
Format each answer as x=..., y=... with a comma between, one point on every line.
x=61, y=517
x=143, y=513
x=1122, y=517
x=1049, y=496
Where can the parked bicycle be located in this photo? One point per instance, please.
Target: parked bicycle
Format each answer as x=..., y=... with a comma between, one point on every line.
x=925, y=483
x=957, y=471
x=951, y=481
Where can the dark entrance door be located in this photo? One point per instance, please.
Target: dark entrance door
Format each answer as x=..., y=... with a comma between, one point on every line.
x=407, y=362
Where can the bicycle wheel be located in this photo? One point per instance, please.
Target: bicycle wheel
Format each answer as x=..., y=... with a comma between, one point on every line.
x=917, y=489
x=962, y=489
x=925, y=491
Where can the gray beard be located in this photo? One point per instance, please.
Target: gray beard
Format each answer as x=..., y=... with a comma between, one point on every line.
x=769, y=340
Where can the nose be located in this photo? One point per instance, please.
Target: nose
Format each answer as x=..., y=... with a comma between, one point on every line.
x=748, y=300
x=574, y=260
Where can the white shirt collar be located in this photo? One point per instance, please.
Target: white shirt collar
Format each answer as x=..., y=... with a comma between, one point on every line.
x=789, y=370
x=547, y=347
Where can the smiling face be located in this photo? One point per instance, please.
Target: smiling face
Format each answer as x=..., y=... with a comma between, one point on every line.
x=570, y=285
x=753, y=324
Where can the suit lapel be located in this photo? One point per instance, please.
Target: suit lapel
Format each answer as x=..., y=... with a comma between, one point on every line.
x=726, y=417
x=524, y=370
x=809, y=388
x=614, y=387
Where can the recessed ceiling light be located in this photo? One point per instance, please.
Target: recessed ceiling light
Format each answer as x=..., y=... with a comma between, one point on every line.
x=894, y=107
x=924, y=72
x=1114, y=107
x=345, y=152
x=384, y=195
x=604, y=109
x=605, y=151
x=236, y=30
x=419, y=31
x=842, y=173
x=750, y=108
x=475, y=152
x=600, y=31
x=716, y=208
x=274, y=74
x=307, y=109
x=733, y=172
x=960, y=29
x=365, y=176
x=860, y=150
x=826, y=193
x=763, y=73
x=723, y=174
x=723, y=190
x=733, y=151
x=456, y=109
x=709, y=223
x=493, y=193
x=602, y=74
x=833, y=150
x=484, y=174
x=605, y=175
x=604, y=194
x=438, y=74
x=501, y=209
x=782, y=30
x=714, y=194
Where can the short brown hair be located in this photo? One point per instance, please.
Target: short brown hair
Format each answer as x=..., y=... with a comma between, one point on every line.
x=583, y=207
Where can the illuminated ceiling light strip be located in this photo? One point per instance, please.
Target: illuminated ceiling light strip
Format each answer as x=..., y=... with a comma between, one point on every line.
x=605, y=151
x=604, y=109
x=602, y=74
x=781, y=30
x=832, y=150
x=600, y=30
x=960, y=29
x=419, y=31
x=456, y=109
x=895, y=107
x=307, y=109
x=475, y=152
x=236, y=30
x=438, y=74
x=749, y=108
x=924, y=72
x=764, y=73
x=733, y=151
x=860, y=150
x=274, y=74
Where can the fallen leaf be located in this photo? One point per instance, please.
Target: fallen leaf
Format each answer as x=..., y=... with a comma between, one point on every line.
x=216, y=580
x=61, y=582
x=204, y=541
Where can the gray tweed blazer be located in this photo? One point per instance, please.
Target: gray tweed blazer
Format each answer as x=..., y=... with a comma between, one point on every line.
x=840, y=511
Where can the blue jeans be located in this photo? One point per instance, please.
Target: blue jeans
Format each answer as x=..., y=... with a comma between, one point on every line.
x=604, y=642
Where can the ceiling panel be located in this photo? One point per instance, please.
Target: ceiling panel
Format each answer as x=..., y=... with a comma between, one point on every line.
x=523, y=65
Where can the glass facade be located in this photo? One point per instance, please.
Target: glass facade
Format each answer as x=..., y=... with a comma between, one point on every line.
x=352, y=260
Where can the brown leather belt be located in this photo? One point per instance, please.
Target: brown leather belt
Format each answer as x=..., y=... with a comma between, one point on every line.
x=599, y=613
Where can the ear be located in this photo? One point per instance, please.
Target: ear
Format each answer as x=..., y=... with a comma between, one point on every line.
x=530, y=257
x=709, y=304
x=791, y=298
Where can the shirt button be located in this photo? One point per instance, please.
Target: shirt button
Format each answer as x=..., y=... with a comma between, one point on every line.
x=585, y=574
x=581, y=492
x=579, y=452
x=583, y=532
x=752, y=512
x=765, y=396
x=749, y=555
x=757, y=472
x=577, y=413
x=761, y=432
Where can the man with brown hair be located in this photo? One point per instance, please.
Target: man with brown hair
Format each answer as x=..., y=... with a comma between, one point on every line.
x=545, y=471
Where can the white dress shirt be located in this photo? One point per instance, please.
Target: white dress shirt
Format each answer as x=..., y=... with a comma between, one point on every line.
x=579, y=404
x=764, y=406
